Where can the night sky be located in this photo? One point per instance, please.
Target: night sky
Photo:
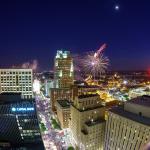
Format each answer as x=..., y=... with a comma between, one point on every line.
x=36, y=29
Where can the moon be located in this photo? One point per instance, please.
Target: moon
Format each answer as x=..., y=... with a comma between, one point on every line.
x=117, y=7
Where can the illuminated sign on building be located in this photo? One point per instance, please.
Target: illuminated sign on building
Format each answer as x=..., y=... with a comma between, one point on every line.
x=22, y=109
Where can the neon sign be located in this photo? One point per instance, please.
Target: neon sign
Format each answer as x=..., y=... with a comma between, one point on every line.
x=22, y=109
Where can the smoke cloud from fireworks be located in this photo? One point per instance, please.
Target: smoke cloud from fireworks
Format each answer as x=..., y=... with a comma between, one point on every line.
x=28, y=65
x=77, y=62
x=32, y=65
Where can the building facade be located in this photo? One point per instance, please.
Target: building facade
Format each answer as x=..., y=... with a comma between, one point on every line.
x=63, y=70
x=63, y=77
x=16, y=81
x=59, y=94
x=87, y=122
x=19, y=125
x=83, y=90
x=128, y=127
x=63, y=113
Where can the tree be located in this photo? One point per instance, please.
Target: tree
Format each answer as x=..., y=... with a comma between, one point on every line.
x=55, y=124
x=42, y=127
x=70, y=148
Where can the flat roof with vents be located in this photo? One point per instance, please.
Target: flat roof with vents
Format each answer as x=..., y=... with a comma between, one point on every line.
x=87, y=95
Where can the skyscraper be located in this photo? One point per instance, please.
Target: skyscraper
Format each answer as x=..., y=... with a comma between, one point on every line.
x=63, y=73
x=16, y=81
x=63, y=77
x=87, y=122
x=19, y=125
x=128, y=127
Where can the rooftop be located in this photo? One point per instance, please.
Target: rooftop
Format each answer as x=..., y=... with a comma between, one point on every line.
x=63, y=54
x=80, y=82
x=88, y=86
x=88, y=109
x=87, y=95
x=84, y=132
x=10, y=93
x=12, y=98
x=135, y=117
x=64, y=103
x=92, y=123
x=60, y=89
x=142, y=100
x=15, y=69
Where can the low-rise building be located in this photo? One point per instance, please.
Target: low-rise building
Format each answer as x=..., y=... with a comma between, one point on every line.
x=59, y=94
x=63, y=112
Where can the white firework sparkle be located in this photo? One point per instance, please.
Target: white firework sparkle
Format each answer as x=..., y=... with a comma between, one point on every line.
x=95, y=64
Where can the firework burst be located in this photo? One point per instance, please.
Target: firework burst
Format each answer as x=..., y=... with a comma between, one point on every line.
x=95, y=64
